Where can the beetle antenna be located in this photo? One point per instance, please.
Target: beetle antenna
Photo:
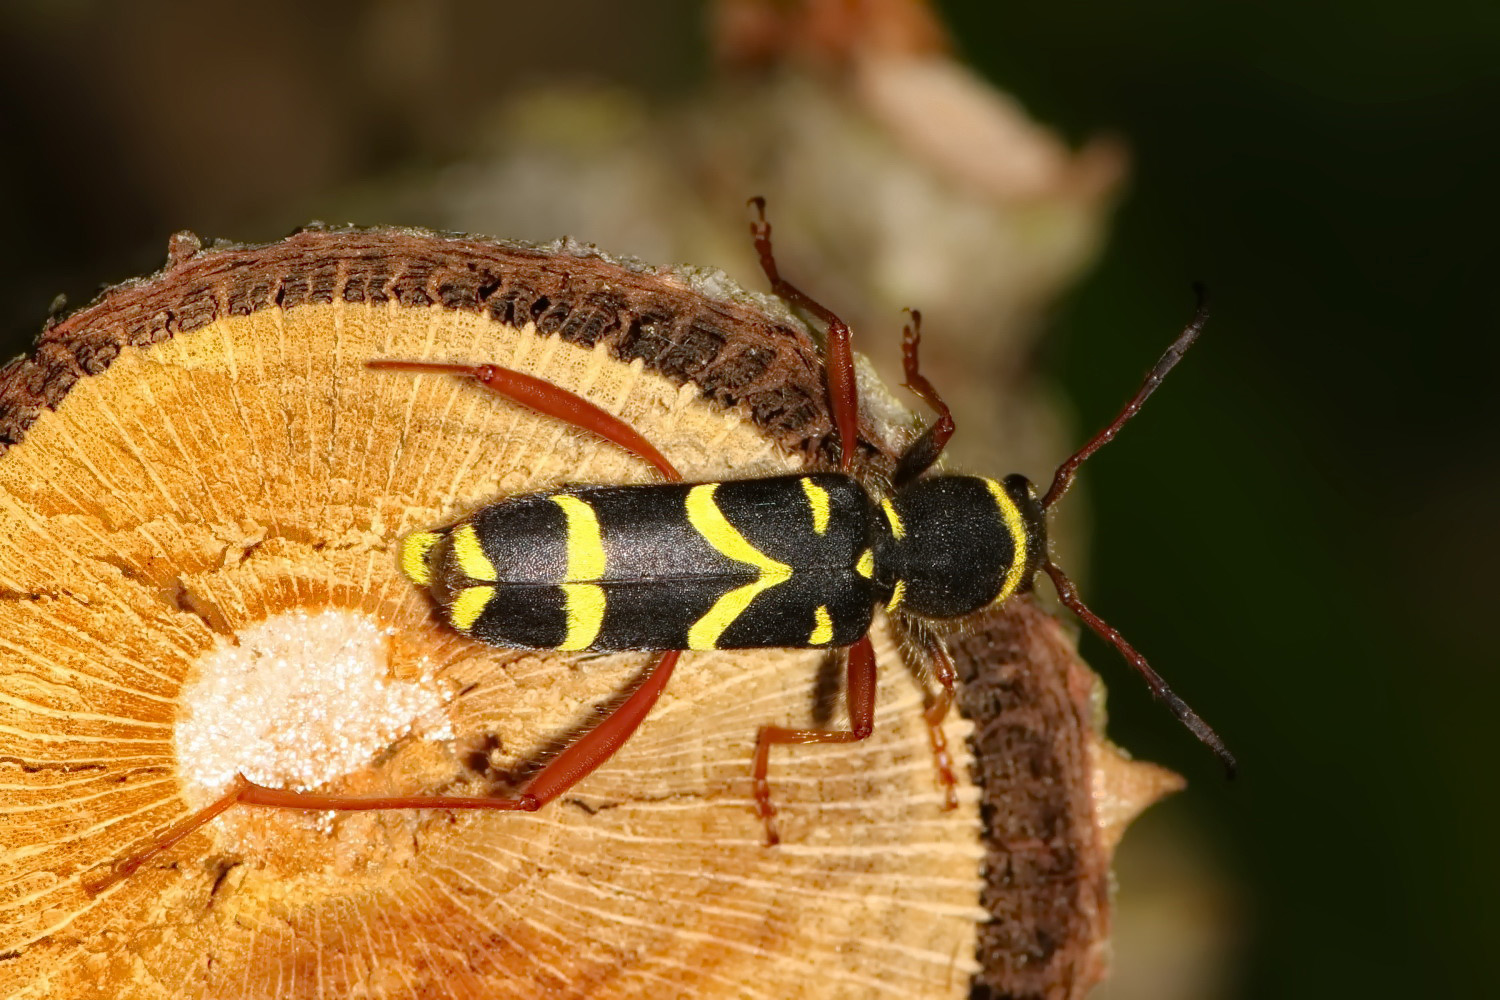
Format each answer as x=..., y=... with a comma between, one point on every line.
x=1063, y=478
x=1159, y=688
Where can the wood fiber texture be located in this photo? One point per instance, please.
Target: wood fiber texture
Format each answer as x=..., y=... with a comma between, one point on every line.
x=732, y=352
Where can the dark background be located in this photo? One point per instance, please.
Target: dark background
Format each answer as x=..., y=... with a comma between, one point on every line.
x=1323, y=478
x=1301, y=530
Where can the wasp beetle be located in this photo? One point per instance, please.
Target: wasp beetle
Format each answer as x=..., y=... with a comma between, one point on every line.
x=784, y=561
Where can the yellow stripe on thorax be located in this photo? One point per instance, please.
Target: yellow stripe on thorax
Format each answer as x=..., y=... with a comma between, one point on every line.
x=866, y=565
x=897, y=528
x=470, y=554
x=585, y=601
x=817, y=498
x=415, y=548
x=706, y=518
x=1010, y=514
x=896, y=596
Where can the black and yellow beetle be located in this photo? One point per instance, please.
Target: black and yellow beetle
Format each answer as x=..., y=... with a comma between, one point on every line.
x=784, y=561
x=796, y=560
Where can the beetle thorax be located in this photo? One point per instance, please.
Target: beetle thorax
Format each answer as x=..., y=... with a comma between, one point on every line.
x=949, y=546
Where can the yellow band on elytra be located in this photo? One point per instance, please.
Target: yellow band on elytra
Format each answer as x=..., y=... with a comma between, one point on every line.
x=817, y=498
x=822, y=632
x=470, y=554
x=585, y=540
x=415, y=548
x=706, y=518
x=467, y=606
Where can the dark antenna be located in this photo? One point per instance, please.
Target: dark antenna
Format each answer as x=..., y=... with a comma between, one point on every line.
x=1159, y=688
x=1069, y=594
x=1063, y=478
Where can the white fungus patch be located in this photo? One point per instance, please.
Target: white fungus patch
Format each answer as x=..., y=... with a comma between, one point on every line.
x=299, y=701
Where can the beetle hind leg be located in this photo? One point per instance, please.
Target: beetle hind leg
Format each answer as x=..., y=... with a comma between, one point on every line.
x=561, y=773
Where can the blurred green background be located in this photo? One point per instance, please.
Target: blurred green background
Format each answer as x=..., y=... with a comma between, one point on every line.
x=1301, y=530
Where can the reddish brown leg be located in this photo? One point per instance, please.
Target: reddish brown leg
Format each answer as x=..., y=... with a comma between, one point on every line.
x=564, y=771
x=938, y=705
x=860, y=696
x=843, y=396
x=926, y=449
x=546, y=398
x=120, y=870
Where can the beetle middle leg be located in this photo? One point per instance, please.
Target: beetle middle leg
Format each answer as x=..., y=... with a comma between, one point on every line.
x=860, y=697
x=920, y=455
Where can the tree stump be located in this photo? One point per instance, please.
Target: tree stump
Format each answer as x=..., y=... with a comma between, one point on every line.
x=202, y=492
